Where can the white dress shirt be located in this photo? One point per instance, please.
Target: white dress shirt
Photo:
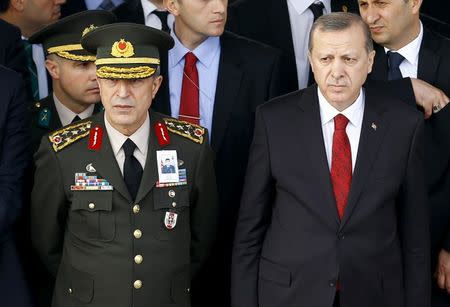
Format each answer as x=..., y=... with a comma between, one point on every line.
x=410, y=52
x=301, y=19
x=140, y=138
x=66, y=115
x=354, y=114
x=151, y=20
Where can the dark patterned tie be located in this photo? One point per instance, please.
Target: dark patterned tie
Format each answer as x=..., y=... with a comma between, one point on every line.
x=317, y=10
x=341, y=164
x=106, y=5
x=132, y=169
x=162, y=15
x=31, y=81
x=394, y=61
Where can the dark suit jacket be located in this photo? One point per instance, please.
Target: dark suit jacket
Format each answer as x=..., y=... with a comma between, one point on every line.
x=90, y=250
x=130, y=11
x=268, y=21
x=248, y=76
x=14, y=158
x=290, y=246
x=433, y=67
x=72, y=7
x=11, y=49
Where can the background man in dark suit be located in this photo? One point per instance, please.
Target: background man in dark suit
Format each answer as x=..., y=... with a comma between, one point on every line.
x=229, y=77
x=30, y=16
x=151, y=13
x=408, y=49
x=270, y=22
x=348, y=221
x=125, y=237
x=14, y=159
x=11, y=51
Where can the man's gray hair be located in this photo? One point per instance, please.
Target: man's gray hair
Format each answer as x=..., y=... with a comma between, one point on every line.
x=337, y=22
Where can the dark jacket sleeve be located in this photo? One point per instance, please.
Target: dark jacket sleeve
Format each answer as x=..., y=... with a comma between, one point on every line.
x=414, y=225
x=253, y=220
x=14, y=154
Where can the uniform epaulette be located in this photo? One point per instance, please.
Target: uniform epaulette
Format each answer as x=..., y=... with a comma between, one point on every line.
x=69, y=134
x=191, y=131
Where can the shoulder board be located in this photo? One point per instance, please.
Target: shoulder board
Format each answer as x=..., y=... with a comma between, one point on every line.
x=69, y=134
x=191, y=131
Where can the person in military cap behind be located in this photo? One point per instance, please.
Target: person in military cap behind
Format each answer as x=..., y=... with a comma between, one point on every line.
x=113, y=228
x=75, y=88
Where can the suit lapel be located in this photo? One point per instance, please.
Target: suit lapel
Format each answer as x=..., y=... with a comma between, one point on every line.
x=105, y=162
x=311, y=129
x=150, y=174
x=428, y=58
x=227, y=89
x=373, y=130
x=380, y=65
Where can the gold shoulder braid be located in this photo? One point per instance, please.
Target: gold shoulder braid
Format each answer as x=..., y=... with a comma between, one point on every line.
x=64, y=137
x=191, y=131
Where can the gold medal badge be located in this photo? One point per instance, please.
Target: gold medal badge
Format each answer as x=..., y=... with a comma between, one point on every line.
x=122, y=49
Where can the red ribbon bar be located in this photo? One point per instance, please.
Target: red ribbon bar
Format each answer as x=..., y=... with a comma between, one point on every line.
x=162, y=134
x=95, y=138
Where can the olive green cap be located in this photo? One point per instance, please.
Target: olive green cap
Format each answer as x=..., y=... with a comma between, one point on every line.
x=126, y=50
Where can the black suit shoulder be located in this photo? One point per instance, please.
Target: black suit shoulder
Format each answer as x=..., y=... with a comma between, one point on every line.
x=130, y=11
x=247, y=48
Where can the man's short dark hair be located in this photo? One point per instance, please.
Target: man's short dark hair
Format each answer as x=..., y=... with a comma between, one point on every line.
x=340, y=21
x=4, y=5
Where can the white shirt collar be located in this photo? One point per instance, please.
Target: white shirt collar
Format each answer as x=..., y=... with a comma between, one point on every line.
x=411, y=51
x=66, y=115
x=353, y=113
x=140, y=137
x=148, y=7
x=301, y=5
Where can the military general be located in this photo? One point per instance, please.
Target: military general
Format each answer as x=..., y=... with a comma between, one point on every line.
x=108, y=223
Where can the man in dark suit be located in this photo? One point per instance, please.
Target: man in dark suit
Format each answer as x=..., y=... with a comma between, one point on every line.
x=270, y=22
x=11, y=51
x=111, y=229
x=146, y=12
x=234, y=75
x=347, y=224
x=407, y=49
x=76, y=6
x=14, y=159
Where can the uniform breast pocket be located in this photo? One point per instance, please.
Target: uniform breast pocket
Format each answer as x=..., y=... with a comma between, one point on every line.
x=172, y=208
x=91, y=216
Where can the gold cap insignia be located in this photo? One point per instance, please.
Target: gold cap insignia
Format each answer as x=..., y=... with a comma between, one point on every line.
x=88, y=29
x=122, y=49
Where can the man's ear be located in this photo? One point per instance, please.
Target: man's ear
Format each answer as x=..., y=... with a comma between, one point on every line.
x=18, y=5
x=156, y=84
x=172, y=6
x=52, y=68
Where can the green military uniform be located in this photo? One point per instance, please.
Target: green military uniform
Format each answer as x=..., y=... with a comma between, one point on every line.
x=63, y=39
x=104, y=247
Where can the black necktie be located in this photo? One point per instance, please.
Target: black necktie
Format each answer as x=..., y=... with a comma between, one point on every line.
x=162, y=15
x=394, y=61
x=132, y=169
x=75, y=119
x=317, y=10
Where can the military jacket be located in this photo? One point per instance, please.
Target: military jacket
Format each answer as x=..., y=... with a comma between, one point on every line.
x=107, y=249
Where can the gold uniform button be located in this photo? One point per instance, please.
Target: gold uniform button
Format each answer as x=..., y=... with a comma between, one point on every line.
x=91, y=206
x=70, y=290
x=136, y=209
x=137, y=284
x=138, y=259
x=174, y=204
x=137, y=233
x=38, y=104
